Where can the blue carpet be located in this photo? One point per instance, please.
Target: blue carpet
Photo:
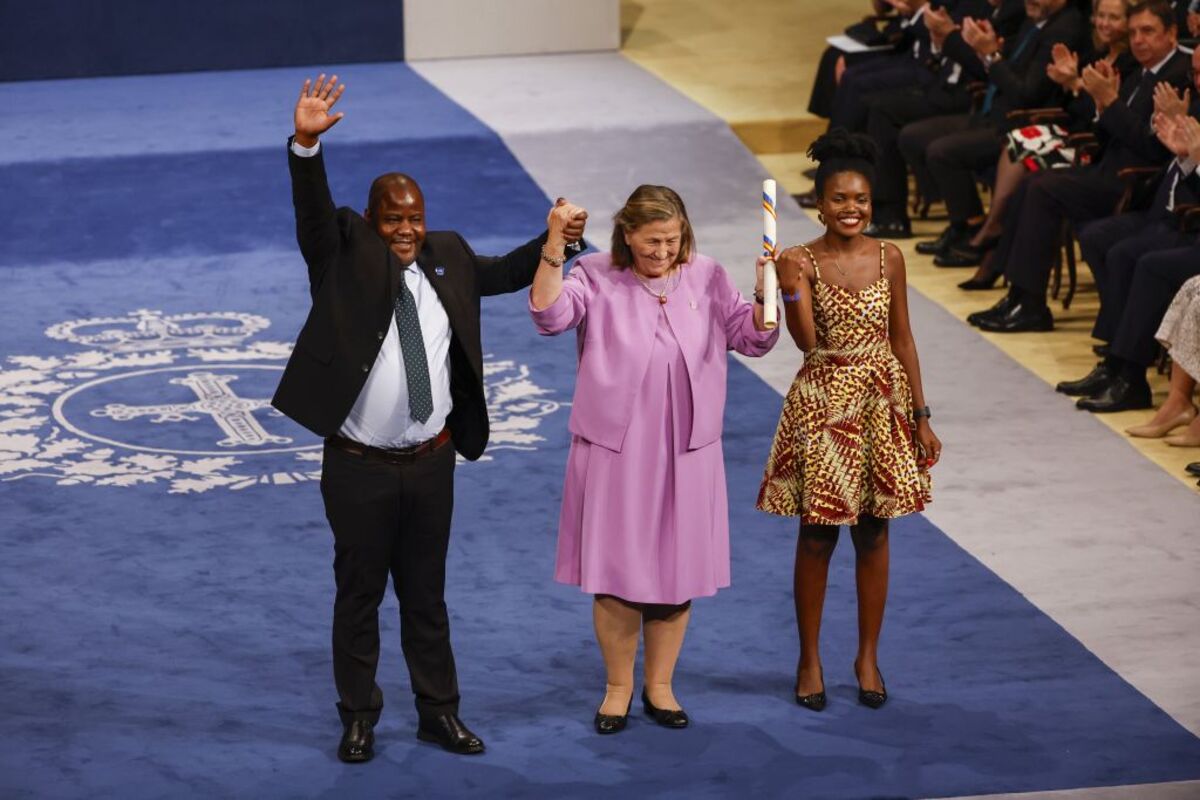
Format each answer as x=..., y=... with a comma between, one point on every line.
x=166, y=600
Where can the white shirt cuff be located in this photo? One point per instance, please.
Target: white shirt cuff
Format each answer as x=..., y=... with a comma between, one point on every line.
x=1187, y=166
x=305, y=152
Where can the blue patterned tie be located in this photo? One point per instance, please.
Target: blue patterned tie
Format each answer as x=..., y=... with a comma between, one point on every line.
x=416, y=367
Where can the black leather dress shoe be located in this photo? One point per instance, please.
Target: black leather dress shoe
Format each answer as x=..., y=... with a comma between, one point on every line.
x=1021, y=318
x=1193, y=468
x=936, y=246
x=962, y=255
x=807, y=200
x=1101, y=350
x=1120, y=394
x=988, y=281
x=612, y=723
x=358, y=742
x=668, y=718
x=449, y=731
x=901, y=229
x=1092, y=383
x=1001, y=307
x=871, y=698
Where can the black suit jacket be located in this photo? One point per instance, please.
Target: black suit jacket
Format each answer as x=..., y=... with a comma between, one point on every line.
x=1124, y=128
x=354, y=279
x=1020, y=78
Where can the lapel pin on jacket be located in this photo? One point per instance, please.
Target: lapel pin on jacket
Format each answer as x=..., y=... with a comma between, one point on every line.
x=439, y=271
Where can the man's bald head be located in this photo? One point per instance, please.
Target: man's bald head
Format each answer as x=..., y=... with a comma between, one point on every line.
x=396, y=207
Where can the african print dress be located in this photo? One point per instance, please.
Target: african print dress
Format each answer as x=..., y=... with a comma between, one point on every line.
x=844, y=445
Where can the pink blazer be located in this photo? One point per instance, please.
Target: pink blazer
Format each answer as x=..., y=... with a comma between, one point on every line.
x=616, y=317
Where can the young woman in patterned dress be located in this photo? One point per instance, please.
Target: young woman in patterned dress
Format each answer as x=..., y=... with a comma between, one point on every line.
x=849, y=449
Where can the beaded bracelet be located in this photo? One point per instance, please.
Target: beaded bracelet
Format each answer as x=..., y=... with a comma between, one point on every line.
x=554, y=261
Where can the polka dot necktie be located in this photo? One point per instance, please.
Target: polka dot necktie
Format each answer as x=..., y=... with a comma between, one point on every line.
x=416, y=367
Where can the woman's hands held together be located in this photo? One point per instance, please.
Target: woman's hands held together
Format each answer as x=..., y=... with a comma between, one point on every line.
x=565, y=223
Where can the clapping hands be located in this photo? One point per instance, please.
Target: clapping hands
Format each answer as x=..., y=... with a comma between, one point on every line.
x=940, y=25
x=1064, y=68
x=1103, y=83
x=1180, y=134
x=981, y=36
x=1168, y=103
x=312, y=109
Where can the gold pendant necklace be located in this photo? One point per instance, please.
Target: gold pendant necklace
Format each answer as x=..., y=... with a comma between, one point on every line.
x=666, y=290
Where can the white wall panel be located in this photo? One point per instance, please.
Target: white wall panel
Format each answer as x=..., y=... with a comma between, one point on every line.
x=468, y=28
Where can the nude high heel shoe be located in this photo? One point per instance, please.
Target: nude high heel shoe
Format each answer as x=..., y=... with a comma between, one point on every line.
x=1185, y=439
x=1149, y=431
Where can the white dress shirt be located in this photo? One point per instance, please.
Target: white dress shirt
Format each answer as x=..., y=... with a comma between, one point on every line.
x=380, y=416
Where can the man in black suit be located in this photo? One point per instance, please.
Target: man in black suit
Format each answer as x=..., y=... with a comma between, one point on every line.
x=1035, y=213
x=954, y=149
x=1140, y=260
x=389, y=369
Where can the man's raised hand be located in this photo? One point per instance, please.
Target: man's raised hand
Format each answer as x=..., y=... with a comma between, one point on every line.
x=312, y=109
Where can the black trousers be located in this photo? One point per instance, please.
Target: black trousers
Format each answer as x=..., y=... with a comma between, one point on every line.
x=954, y=159
x=820, y=102
x=1113, y=247
x=887, y=115
x=1034, y=217
x=390, y=519
x=867, y=79
x=915, y=140
x=1156, y=278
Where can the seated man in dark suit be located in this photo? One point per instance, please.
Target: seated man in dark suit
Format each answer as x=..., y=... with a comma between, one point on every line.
x=388, y=368
x=953, y=149
x=889, y=112
x=1036, y=211
x=1140, y=260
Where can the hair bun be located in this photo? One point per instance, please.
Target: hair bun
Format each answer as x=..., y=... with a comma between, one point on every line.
x=839, y=144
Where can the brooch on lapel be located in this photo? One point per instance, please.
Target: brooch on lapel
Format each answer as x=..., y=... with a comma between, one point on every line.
x=439, y=271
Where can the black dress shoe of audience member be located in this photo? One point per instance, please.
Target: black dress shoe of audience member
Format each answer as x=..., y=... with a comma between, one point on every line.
x=1101, y=350
x=449, y=731
x=807, y=200
x=984, y=283
x=1193, y=468
x=1021, y=318
x=960, y=255
x=936, y=246
x=668, y=718
x=998, y=310
x=358, y=742
x=1121, y=394
x=900, y=229
x=1092, y=383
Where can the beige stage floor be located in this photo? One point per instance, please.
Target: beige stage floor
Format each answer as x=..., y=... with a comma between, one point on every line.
x=752, y=64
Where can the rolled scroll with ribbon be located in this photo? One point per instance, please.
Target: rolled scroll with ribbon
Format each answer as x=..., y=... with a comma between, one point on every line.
x=770, y=279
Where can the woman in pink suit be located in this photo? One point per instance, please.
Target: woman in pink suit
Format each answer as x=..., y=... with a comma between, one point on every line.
x=644, y=523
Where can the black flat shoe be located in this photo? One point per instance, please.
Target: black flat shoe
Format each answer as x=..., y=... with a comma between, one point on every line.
x=1193, y=468
x=814, y=701
x=449, y=731
x=873, y=699
x=665, y=717
x=1092, y=383
x=612, y=723
x=980, y=284
x=358, y=742
x=1120, y=394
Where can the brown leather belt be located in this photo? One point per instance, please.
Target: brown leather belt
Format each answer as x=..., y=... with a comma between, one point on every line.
x=397, y=455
